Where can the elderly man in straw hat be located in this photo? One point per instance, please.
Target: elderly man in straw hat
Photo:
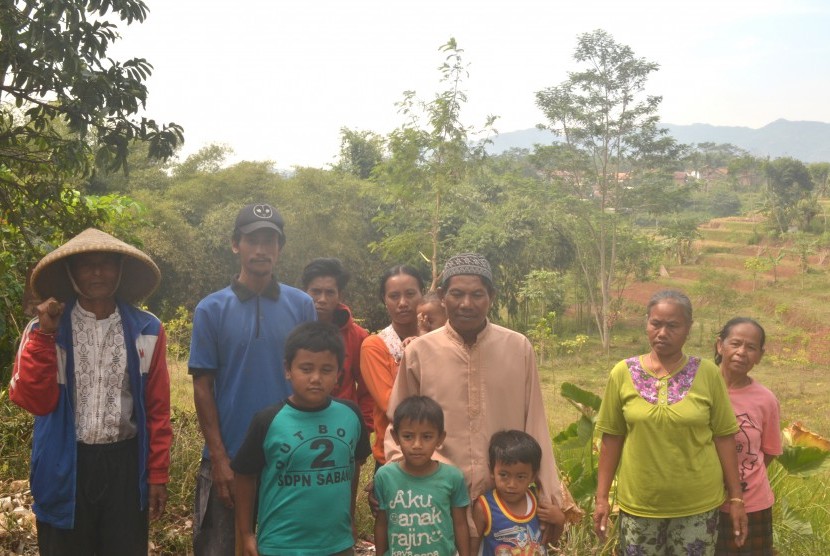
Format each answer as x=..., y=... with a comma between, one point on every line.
x=92, y=368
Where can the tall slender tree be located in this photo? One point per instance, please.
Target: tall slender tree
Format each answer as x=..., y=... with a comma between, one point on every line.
x=617, y=158
x=429, y=160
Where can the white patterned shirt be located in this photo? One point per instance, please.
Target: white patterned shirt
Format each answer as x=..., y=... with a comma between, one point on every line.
x=103, y=400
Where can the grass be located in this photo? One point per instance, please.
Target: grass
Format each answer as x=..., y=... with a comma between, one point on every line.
x=795, y=312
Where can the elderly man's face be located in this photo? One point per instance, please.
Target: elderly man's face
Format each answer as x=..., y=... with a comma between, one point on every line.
x=467, y=300
x=96, y=274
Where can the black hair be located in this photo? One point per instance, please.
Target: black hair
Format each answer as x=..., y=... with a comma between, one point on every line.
x=430, y=297
x=672, y=296
x=514, y=446
x=397, y=270
x=323, y=266
x=236, y=237
x=315, y=337
x=419, y=409
x=727, y=329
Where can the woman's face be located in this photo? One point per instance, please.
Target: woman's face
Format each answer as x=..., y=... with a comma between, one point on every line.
x=401, y=296
x=667, y=329
x=741, y=349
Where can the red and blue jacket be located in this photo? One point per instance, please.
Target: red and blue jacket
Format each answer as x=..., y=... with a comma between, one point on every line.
x=43, y=383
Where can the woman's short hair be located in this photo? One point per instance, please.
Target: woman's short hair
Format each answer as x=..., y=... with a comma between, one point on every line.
x=671, y=296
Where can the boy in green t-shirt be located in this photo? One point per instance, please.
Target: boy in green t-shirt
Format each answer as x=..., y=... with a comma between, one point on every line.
x=303, y=452
x=423, y=503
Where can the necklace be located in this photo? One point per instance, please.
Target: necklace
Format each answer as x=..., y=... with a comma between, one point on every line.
x=657, y=366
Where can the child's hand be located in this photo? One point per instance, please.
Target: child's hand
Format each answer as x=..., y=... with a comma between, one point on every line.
x=552, y=521
x=249, y=547
x=374, y=505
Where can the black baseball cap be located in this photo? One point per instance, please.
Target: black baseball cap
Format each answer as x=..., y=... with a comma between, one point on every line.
x=257, y=216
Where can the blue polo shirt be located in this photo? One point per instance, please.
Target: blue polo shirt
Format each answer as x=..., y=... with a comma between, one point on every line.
x=239, y=337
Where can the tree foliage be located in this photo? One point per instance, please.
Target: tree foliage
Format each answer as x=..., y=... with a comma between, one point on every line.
x=616, y=158
x=65, y=107
x=788, y=192
x=66, y=110
x=360, y=152
x=424, y=179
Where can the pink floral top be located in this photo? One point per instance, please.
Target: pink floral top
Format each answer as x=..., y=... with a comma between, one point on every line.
x=668, y=390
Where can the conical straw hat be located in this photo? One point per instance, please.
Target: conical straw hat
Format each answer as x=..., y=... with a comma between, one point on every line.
x=139, y=276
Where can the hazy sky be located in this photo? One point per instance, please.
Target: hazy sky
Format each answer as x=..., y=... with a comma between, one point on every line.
x=277, y=79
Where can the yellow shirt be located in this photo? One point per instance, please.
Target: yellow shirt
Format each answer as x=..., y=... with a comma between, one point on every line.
x=669, y=466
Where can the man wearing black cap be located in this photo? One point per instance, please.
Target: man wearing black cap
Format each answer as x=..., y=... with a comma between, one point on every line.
x=236, y=360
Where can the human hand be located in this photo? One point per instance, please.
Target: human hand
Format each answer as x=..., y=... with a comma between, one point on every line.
x=222, y=476
x=424, y=324
x=248, y=545
x=552, y=521
x=374, y=505
x=157, y=500
x=601, y=511
x=49, y=315
x=740, y=523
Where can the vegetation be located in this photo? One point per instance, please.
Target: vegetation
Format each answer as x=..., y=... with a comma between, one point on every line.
x=66, y=111
x=579, y=233
x=615, y=161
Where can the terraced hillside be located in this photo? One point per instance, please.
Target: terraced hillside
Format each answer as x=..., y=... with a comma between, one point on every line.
x=737, y=271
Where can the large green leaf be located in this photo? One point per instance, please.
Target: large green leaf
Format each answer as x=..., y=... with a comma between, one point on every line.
x=582, y=398
x=803, y=461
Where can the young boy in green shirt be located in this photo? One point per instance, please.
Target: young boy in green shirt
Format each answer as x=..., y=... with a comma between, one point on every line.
x=423, y=503
x=303, y=453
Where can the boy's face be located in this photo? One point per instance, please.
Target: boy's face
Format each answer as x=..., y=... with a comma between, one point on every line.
x=512, y=480
x=313, y=375
x=418, y=441
x=323, y=290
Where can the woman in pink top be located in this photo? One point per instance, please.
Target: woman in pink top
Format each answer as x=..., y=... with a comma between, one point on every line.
x=739, y=348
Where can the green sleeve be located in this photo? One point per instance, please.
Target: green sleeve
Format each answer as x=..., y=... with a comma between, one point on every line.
x=610, y=419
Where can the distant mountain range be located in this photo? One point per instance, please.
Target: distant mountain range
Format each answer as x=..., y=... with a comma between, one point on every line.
x=805, y=141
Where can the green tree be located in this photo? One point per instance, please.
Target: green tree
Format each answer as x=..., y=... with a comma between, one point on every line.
x=619, y=158
x=820, y=173
x=788, y=183
x=746, y=172
x=360, y=152
x=704, y=158
x=422, y=180
x=680, y=235
x=66, y=107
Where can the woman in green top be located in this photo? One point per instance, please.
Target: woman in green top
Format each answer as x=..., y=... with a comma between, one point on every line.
x=667, y=432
